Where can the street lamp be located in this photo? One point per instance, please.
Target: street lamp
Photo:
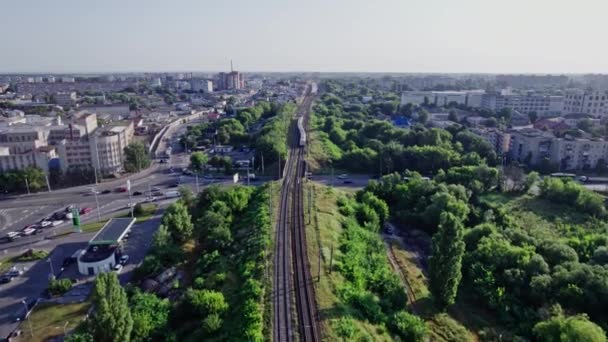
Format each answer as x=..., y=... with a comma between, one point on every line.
x=26, y=316
x=51, y=265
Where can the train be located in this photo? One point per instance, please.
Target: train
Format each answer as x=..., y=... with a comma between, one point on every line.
x=302, y=131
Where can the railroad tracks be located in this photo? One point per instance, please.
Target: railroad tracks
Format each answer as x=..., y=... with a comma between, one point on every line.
x=290, y=245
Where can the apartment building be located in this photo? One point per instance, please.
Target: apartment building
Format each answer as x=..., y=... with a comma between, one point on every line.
x=587, y=102
x=79, y=143
x=101, y=148
x=442, y=98
x=543, y=105
x=230, y=80
x=531, y=146
x=501, y=141
x=65, y=98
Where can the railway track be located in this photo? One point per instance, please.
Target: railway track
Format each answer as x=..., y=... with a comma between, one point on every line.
x=290, y=250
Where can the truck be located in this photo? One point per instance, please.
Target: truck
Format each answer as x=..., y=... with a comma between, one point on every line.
x=172, y=194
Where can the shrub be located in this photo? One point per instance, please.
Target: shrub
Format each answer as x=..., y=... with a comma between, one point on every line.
x=409, y=327
x=59, y=286
x=345, y=327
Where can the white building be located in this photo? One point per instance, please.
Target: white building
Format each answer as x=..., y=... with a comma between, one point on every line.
x=105, y=248
x=588, y=102
x=206, y=86
x=543, y=105
x=470, y=98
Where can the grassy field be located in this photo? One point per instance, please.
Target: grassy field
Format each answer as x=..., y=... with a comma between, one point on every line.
x=148, y=210
x=49, y=320
x=323, y=235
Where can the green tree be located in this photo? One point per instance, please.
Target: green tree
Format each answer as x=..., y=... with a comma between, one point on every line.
x=569, y=329
x=178, y=222
x=137, y=157
x=150, y=316
x=198, y=160
x=111, y=320
x=446, y=260
x=79, y=337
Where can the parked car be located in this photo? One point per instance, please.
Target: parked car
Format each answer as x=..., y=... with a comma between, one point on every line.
x=106, y=191
x=137, y=193
x=85, y=210
x=56, y=223
x=118, y=268
x=60, y=215
x=121, y=189
x=123, y=259
x=44, y=223
x=28, y=231
x=5, y=279
x=14, y=272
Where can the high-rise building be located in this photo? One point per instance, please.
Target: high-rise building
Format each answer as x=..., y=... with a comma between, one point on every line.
x=588, y=102
x=233, y=80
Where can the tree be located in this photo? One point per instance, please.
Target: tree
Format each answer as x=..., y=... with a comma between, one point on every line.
x=423, y=116
x=533, y=116
x=111, y=320
x=137, y=157
x=150, y=316
x=198, y=160
x=446, y=259
x=178, y=222
x=569, y=329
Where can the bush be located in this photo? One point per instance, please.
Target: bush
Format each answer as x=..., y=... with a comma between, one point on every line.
x=345, y=327
x=32, y=255
x=58, y=287
x=409, y=327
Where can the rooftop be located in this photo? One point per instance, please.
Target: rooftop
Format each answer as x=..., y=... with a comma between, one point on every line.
x=112, y=232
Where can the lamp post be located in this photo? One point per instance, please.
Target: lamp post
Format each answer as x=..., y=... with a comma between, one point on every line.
x=50, y=261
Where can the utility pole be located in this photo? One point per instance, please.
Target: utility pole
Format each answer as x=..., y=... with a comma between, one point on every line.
x=197, y=186
x=27, y=186
x=331, y=258
x=262, y=162
x=98, y=210
x=319, y=266
x=50, y=261
x=48, y=184
x=279, y=165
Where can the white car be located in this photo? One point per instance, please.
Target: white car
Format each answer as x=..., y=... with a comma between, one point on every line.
x=45, y=224
x=69, y=216
x=343, y=176
x=151, y=199
x=56, y=223
x=118, y=268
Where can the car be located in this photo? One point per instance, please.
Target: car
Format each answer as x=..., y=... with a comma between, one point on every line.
x=343, y=176
x=106, y=191
x=155, y=188
x=121, y=189
x=56, y=223
x=5, y=279
x=14, y=272
x=151, y=199
x=174, y=185
x=208, y=176
x=28, y=231
x=85, y=210
x=118, y=267
x=137, y=193
x=60, y=215
x=69, y=208
x=45, y=223
x=347, y=181
x=69, y=216
x=123, y=259
x=94, y=191
x=164, y=161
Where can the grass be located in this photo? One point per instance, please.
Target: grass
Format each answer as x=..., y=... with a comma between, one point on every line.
x=148, y=210
x=5, y=264
x=36, y=255
x=49, y=319
x=323, y=235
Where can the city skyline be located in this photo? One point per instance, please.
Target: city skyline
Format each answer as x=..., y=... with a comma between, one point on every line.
x=470, y=36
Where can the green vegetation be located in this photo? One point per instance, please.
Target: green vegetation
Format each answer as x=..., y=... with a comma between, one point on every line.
x=111, y=320
x=49, y=320
x=198, y=160
x=137, y=158
x=32, y=255
x=20, y=180
x=348, y=137
x=58, y=287
x=222, y=240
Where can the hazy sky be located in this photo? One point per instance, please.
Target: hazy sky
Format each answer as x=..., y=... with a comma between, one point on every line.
x=538, y=36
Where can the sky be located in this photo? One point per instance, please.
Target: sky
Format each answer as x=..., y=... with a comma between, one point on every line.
x=430, y=36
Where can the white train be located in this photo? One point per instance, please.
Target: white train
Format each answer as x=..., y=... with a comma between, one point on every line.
x=302, y=131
